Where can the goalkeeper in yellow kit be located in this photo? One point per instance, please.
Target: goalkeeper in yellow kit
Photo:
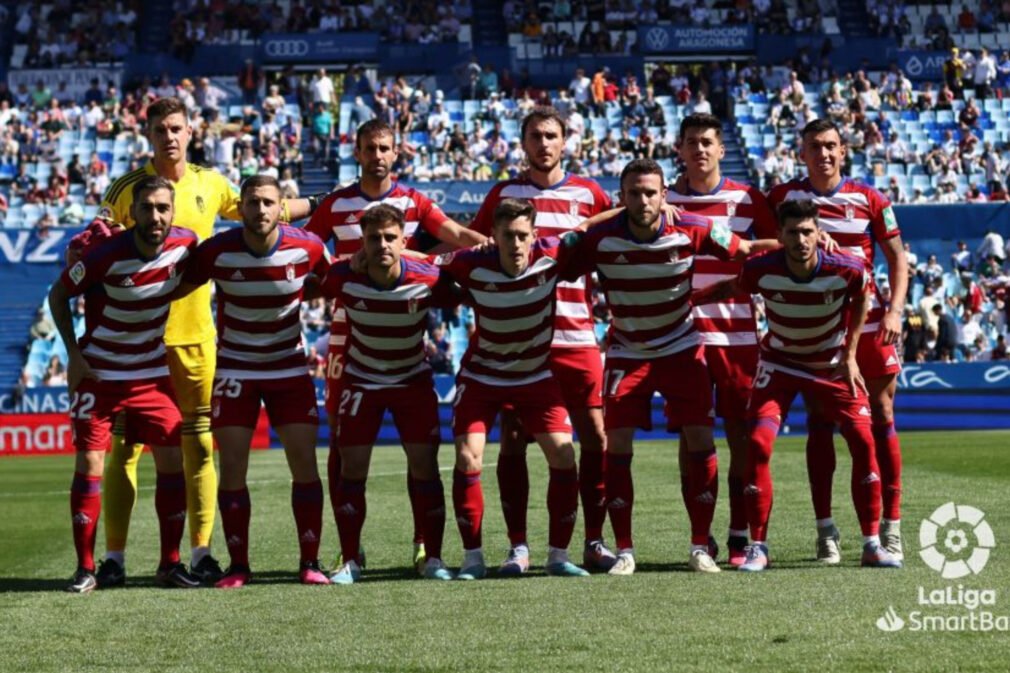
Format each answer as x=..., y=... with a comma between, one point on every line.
x=201, y=194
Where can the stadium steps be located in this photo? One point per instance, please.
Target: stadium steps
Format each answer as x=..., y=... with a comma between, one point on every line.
x=489, y=28
x=734, y=164
x=852, y=18
x=15, y=321
x=153, y=37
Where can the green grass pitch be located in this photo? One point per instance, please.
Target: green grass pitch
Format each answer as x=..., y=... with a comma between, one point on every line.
x=795, y=617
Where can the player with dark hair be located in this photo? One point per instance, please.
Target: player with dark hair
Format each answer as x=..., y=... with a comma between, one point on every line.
x=645, y=265
x=119, y=367
x=201, y=196
x=260, y=270
x=512, y=286
x=858, y=218
x=727, y=328
x=816, y=304
x=338, y=218
x=563, y=202
x=387, y=305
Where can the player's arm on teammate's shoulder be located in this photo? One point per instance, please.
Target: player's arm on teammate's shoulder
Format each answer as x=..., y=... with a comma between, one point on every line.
x=756, y=247
x=716, y=292
x=455, y=235
x=897, y=273
x=198, y=268
x=78, y=368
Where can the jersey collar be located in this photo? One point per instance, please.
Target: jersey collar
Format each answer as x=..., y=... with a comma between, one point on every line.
x=834, y=191
x=361, y=192
x=817, y=269
x=716, y=190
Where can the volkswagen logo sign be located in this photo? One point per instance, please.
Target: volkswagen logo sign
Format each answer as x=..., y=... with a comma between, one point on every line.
x=286, y=48
x=657, y=39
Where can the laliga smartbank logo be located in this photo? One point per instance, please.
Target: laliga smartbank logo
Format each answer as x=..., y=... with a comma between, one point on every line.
x=955, y=541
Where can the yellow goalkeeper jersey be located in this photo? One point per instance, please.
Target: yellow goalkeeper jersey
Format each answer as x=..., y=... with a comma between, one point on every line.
x=200, y=196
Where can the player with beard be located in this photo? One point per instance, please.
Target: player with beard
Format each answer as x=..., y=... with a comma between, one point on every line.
x=338, y=218
x=563, y=202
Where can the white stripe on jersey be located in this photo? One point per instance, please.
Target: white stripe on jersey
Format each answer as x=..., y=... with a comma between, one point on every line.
x=574, y=337
x=509, y=348
x=384, y=343
x=579, y=284
x=632, y=298
x=103, y=333
x=630, y=324
x=834, y=342
x=803, y=310
x=513, y=298
x=668, y=344
x=380, y=380
x=134, y=266
x=401, y=293
x=130, y=375
x=347, y=205
x=123, y=358
x=374, y=318
x=703, y=280
x=248, y=356
x=134, y=316
x=805, y=333
x=563, y=193
x=820, y=284
x=571, y=309
x=253, y=375
x=618, y=244
x=636, y=271
x=518, y=365
x=240, y=338
x=839, y=198
x=264, y=288
x=135, y=293
x=510, y=325
x=385, y=363
x=723, y=310
x=561, y=221
x=837, y=226
x=740, y=196
x=729, y=338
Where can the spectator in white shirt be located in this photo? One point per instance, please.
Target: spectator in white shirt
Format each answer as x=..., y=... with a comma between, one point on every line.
x=322, y=88
x=579, y=88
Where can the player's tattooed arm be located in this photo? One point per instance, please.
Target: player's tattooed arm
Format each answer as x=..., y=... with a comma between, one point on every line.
x=897, y=273
x=78, y=368
x=717, y=292
x=848, y=370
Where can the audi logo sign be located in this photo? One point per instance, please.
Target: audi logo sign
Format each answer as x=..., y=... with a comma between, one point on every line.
x=286, y=48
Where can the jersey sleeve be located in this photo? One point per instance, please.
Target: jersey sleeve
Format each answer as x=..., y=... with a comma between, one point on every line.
x=86, y=273
x=859, y=282
x=454, y=265
x=765, y=223
x=318, y=223
x=228, y=199
x=718, y=240
x=115, y=204
x=445, y=293
x=572, y=260
x=747, y=280
x=201, y=262
x=334, y=279
x=883, y=223
x=429, y=216
x=483, y=222
x=601, y=200
x=321, y=261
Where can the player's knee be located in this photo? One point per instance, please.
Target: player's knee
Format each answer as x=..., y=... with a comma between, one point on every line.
x=882, y=409
x=168, y=459
x=354, y=462
x=90, y=463
x=468, y=457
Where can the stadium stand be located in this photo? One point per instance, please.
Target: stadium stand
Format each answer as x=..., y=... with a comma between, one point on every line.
x=939, y=140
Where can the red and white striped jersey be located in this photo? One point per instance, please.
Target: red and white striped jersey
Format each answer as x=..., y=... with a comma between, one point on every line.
x=128, y=303
x=560, y=208
x=745, y=211
x=385, y=345
x=807, y=319
x=648, y=283
x=338, y=217
x=856, y=216
x=259, y=330
x=513, y=314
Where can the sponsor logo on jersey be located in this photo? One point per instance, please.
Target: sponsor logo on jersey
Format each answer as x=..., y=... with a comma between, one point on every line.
x=351, y=219
x=77, y=272
x=491, y=287
x=237, y=275
x=891, y=361
x=890, y=222
x=721, y=234
x=621, y=259
x=126, y=282
x=361, y=305
x=778, y=297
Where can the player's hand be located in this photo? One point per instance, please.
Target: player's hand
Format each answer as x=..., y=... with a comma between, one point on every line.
x=890, y=328
x=78, y=369
x=829, y=244
x=672, y=212
x=849, y=372
x=487, y=246
x=358, y=262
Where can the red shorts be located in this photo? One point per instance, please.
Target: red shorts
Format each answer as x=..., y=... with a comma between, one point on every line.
x=236, y=402
x=682, y=379
x=148, y=406
x=774, y=392
x=414, y=408
x=579, y=373
x=335, y=362
x=539, y=406
x=732, y=370
x=876, y=360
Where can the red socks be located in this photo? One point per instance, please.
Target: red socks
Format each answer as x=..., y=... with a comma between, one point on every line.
x=865, y=477
x=236, y=510
x=514, y=491
x=468, y=501
x=821, y=465
x=562, y=506
x=593, y=489
x=620, y=496
x=429, y=497
x=702, y=488
x=350, y=509
x=85, y=508
x=307, y=505
x=170, y=505
x=758, y=491
x=888, y=452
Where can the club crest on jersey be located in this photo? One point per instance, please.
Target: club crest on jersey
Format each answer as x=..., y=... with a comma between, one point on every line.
x=77, y=272
x=730, y=209
x=200, y=204
x=412, y=305
x=171, y=270
x=540, y=279
x=850, y=212
x=289, y=272
x=829, y=297
x=573, y=208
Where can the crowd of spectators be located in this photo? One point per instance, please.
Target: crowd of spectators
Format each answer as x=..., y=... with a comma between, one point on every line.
x=399, y=21
x=62, y=32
